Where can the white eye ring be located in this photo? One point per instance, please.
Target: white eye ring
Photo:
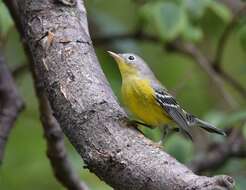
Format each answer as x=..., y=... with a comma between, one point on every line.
x=131, y=57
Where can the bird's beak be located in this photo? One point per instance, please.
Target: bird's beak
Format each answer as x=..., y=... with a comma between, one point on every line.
x=116, y=56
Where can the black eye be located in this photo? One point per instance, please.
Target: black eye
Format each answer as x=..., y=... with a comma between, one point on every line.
x=131, y=57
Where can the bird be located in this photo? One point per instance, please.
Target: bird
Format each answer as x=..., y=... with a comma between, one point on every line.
x=149, y=101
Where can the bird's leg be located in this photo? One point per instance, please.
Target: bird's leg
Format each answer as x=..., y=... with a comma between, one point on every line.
x=135, y=123
x=165, y=131
x=175, y=130
x=141, y=123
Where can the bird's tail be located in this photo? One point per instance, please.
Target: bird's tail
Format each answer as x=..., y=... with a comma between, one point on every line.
x=209, y=127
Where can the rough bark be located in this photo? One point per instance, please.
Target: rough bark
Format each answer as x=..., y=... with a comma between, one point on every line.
x=56, y=150
x=10, y=105
x=84, y=105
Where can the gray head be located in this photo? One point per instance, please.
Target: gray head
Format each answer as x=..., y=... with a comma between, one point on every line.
x=131, y=64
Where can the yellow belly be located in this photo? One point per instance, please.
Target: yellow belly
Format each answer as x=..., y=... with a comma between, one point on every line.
x=138, y=96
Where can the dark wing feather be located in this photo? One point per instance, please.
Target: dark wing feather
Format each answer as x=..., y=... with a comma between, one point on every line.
x=170, y=105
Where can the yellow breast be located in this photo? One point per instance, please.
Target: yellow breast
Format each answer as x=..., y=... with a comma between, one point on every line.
x=138, y=96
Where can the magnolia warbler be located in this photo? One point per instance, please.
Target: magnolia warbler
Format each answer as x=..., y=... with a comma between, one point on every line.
x=149, y=100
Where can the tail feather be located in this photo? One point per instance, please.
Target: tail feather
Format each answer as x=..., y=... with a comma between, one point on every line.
x=194, y=121
x=208, y=127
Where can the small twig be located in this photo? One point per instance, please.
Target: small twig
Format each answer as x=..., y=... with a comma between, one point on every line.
x=235, y=84
x=219, y=153
x=137, y=35
x=11, y=104
x=225, y=36
x=56, y=150
x=204, y=63
x=220, y=50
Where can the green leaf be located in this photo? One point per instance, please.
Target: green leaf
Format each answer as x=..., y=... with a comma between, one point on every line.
x=196, y=8
x=170, y=20
x=220, y=10
x=242, y=37
x=192, y=33
x=166, y=19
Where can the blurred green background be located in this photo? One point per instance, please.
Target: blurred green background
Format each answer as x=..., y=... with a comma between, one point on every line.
x=195, y=21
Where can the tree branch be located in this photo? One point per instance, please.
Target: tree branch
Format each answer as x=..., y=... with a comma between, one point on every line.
x=225, y=36
x=204, y=63
x=11, y=104
x=218, y=153
x=56, y=150
x=233, y=82
x=85, y=107
x=138, y=35
x=221, y=48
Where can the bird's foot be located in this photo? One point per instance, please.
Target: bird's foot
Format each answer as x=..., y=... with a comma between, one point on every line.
x=158, y=144
x=136, y=122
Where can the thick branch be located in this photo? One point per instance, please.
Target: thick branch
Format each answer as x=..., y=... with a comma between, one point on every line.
x=89, y=115
x=56, y=150
x=10, y=105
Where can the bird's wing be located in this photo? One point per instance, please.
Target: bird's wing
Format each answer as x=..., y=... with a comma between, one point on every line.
x=171, y=107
